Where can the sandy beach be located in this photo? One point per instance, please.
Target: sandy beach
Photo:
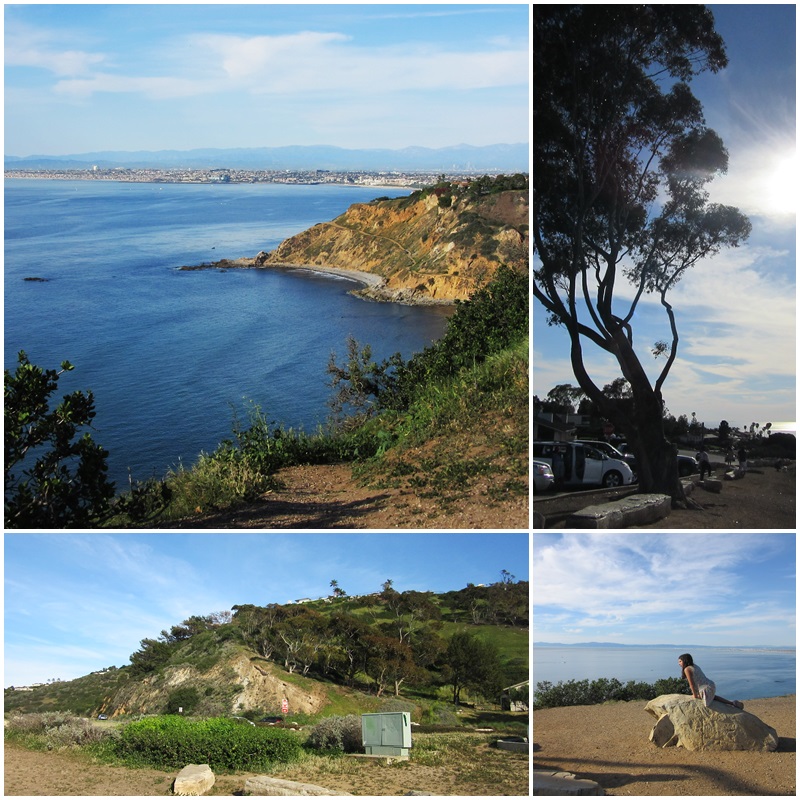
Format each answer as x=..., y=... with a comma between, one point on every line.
x=609, y=744
x=367, y=278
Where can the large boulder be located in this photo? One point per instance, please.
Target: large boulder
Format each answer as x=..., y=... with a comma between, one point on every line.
x=683, y=721
x=194, y=779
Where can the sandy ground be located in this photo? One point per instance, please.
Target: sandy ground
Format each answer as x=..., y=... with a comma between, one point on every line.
x=609, y=744
x=483, y=771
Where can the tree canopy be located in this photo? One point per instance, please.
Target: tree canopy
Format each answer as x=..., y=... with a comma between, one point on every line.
x=622, y=156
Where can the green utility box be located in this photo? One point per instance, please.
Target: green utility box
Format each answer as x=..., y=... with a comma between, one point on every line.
x=386, y=734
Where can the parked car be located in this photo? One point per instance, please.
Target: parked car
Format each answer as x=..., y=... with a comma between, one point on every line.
x=612, y=452
x=102, y=716
x=687, y=465
x=543, y=478
x=584, y=465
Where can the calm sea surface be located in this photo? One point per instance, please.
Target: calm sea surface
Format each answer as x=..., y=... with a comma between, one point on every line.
x=740, y=674
x=170, y=354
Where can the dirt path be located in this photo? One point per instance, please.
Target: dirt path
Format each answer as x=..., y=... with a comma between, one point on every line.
x=483, y=770
x=326, y=496
x=609, y=744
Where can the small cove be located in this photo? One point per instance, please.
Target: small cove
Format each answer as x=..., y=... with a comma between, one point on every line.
x=172, y=355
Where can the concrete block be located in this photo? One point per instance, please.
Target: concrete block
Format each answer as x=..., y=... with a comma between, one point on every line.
x=637, y=509
x=712, y=485
x=265, y=786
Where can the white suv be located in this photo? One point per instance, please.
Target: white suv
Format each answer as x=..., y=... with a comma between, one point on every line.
x=584, y=465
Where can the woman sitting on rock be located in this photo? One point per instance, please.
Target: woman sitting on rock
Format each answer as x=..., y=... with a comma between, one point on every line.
x=702, y=688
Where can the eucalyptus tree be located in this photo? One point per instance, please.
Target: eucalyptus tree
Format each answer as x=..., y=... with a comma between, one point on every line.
x=621, y=160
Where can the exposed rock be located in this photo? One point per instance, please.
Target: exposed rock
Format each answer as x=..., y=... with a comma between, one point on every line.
x=194, y=779
x=424, y=252
x=549, y=784
x=683, y=721
x=264, y=786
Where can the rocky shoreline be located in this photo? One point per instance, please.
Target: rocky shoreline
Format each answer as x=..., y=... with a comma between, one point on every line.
x=374, y=287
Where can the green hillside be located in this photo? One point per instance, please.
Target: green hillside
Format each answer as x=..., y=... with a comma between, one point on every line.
x=337, y=655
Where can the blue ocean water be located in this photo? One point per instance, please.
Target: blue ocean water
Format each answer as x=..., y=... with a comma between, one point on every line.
x=739, y=673
x=168, y=354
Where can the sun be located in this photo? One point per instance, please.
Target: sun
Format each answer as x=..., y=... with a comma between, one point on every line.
x=780, y=185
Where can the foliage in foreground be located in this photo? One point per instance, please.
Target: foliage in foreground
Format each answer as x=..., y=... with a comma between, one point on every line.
x=52, y=478
x=223, y=744
x=586, y=693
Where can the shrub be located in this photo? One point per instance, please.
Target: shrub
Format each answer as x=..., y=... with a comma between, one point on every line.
x=185, y=698
x=57, y=729
x=62, y=481
x=342, y=734
x=223, y=744
x=581, y=693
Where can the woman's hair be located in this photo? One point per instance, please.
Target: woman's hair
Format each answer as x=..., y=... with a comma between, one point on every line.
x=688, y=661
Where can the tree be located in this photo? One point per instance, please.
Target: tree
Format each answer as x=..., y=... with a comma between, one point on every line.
x=62, y=481
x=337, y=591
x=470, y=663
x=621, y=157
x=724, y=431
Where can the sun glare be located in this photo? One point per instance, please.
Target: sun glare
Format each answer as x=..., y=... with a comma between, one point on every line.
x=780, y=186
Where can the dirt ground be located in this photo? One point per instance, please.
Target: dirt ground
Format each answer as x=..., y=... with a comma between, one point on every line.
x=609, y=744
x=762, y=499
x=327, y=496
x=489, y=772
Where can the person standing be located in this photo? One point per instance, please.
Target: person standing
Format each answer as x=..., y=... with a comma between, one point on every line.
x=742, y=459
x=703, y=460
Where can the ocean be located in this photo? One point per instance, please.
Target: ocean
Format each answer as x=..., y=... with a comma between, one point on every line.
x=739, y=673
x=171, y=355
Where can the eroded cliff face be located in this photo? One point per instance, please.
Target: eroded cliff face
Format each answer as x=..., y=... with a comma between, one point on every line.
x=238, y=683
x=428, y=247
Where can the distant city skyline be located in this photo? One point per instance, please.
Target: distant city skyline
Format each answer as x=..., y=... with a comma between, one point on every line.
x=154, y=77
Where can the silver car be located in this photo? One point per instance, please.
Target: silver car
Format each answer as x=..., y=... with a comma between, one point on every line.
x=543, y=477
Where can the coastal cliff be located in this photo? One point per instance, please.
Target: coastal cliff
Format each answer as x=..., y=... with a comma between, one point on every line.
x=436, y=245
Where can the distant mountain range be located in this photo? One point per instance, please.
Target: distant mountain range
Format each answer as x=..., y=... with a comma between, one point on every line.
x=673, y=646
x=510, y=158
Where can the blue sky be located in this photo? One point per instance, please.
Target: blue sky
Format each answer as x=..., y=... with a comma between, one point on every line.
x=82, y=78
x=735, y=312
x=714, y=589
x=75, y=603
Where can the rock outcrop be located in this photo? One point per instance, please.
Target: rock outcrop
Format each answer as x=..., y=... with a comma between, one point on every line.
x=683, y=721
x=426, y=247
x=258, y=684
x=194, y=779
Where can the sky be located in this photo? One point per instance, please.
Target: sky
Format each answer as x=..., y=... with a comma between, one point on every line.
x=86, y=78
x=735, y=312
x=713, y=589
x=75, y=603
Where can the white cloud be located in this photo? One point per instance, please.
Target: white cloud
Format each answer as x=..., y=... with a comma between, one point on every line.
x=620, y=585
x=319, y=63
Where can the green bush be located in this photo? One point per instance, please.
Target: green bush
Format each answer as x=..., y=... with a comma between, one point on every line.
x=185, y=698
x=61, y=482
x=223, y=744
x=342, y=734
x=584, y=693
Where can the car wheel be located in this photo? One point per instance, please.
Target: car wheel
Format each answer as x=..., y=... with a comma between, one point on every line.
x=612, y=479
